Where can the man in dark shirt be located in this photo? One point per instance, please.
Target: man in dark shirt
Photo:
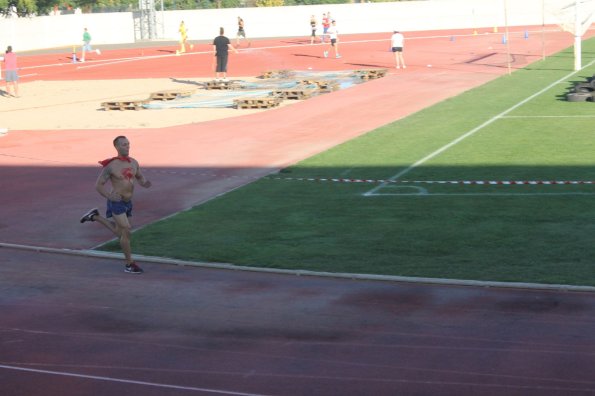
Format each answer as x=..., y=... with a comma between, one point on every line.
x=221, y=47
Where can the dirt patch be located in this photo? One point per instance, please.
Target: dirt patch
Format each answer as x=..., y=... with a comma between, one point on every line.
x=51, y=105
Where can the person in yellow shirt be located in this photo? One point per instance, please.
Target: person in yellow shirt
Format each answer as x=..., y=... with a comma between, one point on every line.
x=183, y=36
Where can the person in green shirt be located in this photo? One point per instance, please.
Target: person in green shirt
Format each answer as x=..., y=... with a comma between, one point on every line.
x=87, y=45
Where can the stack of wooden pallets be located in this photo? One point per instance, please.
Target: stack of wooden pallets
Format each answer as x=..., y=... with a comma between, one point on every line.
x=221, y=84
x=322, y=85
x=171, y=94
x=263, y=102
x=297, y=93
x=138, y=104
x=276, y=74
x=125, y=104
x=371, y=74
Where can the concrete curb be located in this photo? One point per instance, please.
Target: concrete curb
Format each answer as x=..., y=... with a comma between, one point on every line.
x=363, y=277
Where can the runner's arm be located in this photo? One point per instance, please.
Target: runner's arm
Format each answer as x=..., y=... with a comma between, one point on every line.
x=142, y=180
x=100, y=185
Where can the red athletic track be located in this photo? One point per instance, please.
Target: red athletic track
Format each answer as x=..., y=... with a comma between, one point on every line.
x=249, y=333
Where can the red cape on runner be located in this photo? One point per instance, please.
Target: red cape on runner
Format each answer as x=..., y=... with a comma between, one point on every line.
x=105, y=162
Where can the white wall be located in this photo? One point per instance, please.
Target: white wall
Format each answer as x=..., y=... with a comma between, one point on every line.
x=66, y=30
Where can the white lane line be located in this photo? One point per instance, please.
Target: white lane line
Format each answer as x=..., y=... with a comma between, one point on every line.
x=144, y=383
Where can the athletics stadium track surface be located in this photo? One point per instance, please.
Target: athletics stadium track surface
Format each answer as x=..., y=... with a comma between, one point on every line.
x=74, y=325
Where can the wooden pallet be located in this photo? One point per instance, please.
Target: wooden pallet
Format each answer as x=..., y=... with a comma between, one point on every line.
x=171, y=94
x=322, y=85
x=297, y=93
x=221, y=84
x=276, y=74
x=330, y=87
x=264, y=102
x=125, y=105
x=370, y=74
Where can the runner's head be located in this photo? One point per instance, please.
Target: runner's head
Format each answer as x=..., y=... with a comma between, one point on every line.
x=122, y=145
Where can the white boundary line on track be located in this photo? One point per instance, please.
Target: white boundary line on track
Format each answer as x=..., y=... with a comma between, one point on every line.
x=125, y=381
x=442, y=149
x=337, y=275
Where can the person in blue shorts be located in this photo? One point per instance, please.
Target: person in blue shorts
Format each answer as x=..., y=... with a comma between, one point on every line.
x=122, y=172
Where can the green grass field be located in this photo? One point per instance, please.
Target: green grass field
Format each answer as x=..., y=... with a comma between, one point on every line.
x=518, y=127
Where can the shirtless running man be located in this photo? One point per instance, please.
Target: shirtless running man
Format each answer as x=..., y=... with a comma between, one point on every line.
x=121, y=172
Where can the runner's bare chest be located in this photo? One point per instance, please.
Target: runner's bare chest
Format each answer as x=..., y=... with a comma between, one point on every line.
x=122, y=172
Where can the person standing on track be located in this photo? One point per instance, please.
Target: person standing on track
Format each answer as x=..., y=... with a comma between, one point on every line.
x=87, y=45
x=397, y=41
x=183, y=36
x=221, y=47
x=121, y=171
x=313, y=24
x=325, y=25
x=334, y=43
x=241, y=31
x=11, y=69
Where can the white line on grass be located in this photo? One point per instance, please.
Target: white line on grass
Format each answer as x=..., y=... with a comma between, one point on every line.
x=125, y=381
x=551, y=116
x=426, y=194
x=470, y=133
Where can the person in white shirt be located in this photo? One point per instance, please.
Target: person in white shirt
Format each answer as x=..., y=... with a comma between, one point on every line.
x=397, y=40
x=333, y=33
